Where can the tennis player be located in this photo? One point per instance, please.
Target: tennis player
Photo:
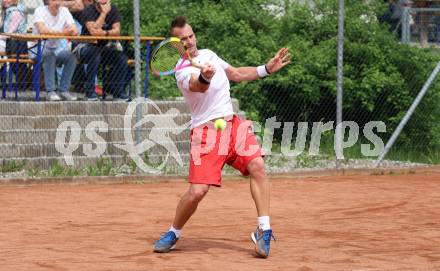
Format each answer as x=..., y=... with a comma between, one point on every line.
x=207, y=94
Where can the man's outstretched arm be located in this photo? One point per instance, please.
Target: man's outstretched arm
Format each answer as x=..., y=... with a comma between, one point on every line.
x=281, y=59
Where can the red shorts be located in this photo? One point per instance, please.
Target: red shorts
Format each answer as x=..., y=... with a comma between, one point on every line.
x=211, y=149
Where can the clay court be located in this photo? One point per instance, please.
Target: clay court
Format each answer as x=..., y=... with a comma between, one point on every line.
x=352, y=222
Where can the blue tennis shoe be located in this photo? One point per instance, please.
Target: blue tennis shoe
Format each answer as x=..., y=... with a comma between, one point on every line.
x=261, y=240
x=166, y=242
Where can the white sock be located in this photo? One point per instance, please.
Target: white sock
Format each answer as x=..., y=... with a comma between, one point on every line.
x=264, y=222
x=176, y=231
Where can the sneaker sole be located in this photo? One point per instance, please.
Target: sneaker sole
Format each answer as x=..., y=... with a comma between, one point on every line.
x=164, y=251
x=259, y=253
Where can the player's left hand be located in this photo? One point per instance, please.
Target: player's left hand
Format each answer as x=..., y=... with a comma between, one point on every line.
x=281, y=59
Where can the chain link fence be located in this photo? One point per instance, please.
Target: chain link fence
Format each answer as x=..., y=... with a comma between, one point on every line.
x=294, y=111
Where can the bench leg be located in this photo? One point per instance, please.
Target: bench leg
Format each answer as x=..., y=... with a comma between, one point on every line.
x=3, y=72
x=147, y=61
x=10, y=74
x=17, y=79
x=37, y=71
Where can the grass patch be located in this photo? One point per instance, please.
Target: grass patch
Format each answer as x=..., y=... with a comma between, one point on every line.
x=11, y=166
x=414, y=155
x=103, y=167
x=57, y=170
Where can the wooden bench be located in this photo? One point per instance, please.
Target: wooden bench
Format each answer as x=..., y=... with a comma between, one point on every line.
x=3, y=54
x=24, y=59
x=14, y=60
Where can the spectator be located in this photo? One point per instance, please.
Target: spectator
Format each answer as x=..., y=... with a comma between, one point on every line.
x=54, y=19
x=103, y=19
x=14, y=21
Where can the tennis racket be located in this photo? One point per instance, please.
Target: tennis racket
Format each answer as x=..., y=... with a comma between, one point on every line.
x=165, y=57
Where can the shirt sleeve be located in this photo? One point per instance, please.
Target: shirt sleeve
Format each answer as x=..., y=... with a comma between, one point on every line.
x=115, y=15
x=222, y=63
x=69, y=17
x=16, y=19
x=38, y=15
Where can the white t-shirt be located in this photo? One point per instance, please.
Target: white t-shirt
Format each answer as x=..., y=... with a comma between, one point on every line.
x=56, y=23
x=216, y=101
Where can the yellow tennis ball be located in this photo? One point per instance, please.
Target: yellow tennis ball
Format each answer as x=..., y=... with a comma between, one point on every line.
x=220, y=124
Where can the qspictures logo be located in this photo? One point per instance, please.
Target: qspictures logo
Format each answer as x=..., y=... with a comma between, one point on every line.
x=159, y=130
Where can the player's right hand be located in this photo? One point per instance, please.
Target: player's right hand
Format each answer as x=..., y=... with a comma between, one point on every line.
x=208, y=71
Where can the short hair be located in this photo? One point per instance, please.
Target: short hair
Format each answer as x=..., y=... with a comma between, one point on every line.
x=179, y=21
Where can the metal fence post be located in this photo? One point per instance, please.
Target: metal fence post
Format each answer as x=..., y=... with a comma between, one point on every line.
x=405, y=19
x=137, y=56
x=339, y=82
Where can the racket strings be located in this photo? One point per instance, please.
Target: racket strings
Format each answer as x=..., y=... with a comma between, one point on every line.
x=166, y=56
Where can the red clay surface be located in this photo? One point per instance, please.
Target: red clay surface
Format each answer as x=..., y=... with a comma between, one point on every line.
x=367, y=223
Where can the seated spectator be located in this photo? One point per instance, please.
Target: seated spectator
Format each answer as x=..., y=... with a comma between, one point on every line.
x=103, y=19
x=54, y=19
x=14, y=21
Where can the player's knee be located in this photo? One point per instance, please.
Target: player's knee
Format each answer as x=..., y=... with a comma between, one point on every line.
x=257, y=167
x=197, y=193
